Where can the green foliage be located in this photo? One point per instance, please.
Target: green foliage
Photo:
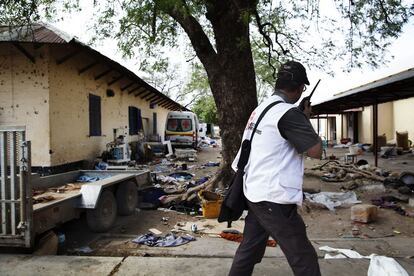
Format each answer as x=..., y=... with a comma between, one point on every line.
x=206, y=109
x=313, y=31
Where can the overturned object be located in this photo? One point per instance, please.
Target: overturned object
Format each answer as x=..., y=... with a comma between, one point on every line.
x=210, y=203
x=364, y=213
x=331, y=200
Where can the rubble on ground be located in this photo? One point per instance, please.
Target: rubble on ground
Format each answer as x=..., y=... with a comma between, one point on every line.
x=365, y=176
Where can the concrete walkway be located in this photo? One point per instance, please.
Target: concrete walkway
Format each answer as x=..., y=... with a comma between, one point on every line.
x=206, y=256
x=75, y=265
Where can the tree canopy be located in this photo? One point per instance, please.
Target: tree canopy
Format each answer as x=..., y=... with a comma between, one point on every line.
x=239, y=43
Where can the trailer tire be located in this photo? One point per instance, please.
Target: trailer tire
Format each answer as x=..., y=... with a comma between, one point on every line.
x=103, y=216
x=127, y=198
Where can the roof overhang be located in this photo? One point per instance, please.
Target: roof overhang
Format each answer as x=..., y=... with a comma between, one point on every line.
x=392, y=88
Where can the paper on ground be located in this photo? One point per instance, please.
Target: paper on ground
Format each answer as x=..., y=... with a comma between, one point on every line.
x=378, y=266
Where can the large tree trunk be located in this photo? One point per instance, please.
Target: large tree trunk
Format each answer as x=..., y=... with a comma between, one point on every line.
x=233, y=81
x=229, y=68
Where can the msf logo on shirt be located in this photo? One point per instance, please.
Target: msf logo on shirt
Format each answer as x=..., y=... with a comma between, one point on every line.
x=250, y=124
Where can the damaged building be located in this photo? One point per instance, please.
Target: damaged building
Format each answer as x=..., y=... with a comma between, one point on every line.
x=70, y=97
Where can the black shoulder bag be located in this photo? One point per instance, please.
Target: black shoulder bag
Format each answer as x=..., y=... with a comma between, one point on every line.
x=234, y=201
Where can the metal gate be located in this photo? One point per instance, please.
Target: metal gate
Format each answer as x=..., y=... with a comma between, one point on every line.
x=15, y=189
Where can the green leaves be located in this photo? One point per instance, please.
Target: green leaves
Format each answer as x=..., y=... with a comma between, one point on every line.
x=206, y=109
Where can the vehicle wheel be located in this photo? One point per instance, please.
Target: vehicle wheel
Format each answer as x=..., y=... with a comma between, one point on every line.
x=127, y=198
x=103, y=216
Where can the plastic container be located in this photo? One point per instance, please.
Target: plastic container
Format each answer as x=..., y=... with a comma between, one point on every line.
x=353, y=149
x=210, y=204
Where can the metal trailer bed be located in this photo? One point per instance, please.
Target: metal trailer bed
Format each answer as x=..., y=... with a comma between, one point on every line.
x=21, y=220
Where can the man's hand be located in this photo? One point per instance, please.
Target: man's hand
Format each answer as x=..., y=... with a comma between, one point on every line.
x=307, y=109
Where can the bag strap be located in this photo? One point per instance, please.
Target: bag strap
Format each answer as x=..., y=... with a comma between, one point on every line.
x=246, y=144
x=262, y=115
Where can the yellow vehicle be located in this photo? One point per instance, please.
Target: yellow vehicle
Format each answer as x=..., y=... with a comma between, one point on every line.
x=182, y=129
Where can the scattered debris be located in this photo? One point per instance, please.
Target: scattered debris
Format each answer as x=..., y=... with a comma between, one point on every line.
x=238, y=237
x=379, y=265
x=83, y=250
x=169, y=240
x=43, y=199
x=364, y=213
x=331, y=200
x=186, y=154
x=207, y=226
x=390, y=203
x=334, y=171
x=212, y=164
x=182, y=176
x=155, y=231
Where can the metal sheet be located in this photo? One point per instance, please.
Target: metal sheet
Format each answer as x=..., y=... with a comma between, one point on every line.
x=3, y=164
x=90, y=196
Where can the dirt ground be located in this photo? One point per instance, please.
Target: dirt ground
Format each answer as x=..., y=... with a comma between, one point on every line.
x=321, y=223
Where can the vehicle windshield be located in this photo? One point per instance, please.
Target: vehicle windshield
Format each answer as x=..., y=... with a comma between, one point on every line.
x=179, y=125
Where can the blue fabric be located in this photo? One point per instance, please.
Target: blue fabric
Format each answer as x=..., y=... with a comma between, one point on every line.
x=170, y=240
x=101, y=166
x=86, y=178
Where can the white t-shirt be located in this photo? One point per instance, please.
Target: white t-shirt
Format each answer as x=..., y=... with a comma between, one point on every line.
x=274, y=171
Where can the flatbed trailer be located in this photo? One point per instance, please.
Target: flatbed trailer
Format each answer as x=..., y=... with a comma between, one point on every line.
x=31, y=205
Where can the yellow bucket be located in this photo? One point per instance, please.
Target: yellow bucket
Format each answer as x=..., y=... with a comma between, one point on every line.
x=210, y=203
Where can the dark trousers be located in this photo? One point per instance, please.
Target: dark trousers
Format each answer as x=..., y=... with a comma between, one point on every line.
x=285, y=225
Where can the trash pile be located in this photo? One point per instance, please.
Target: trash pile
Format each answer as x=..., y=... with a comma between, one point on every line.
x=176, y=188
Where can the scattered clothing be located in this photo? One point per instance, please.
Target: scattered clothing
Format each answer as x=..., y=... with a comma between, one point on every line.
x=181, y=176
x=101, y=166
x=86, y=178
x=169, y=240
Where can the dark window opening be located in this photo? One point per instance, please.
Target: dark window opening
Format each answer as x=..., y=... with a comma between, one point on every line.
x=154, y=121
x=135, y=120
x=95, y=128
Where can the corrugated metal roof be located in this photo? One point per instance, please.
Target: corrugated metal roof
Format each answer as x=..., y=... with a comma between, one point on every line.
x=392, y=88
x=48, y=34
x=40, y=33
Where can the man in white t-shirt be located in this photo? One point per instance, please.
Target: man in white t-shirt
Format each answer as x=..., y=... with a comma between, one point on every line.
x=274, y=176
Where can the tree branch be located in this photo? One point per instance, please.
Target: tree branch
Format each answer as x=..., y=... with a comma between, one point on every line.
x=195, y=32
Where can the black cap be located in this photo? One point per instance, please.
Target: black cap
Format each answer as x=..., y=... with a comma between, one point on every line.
x=294, y=71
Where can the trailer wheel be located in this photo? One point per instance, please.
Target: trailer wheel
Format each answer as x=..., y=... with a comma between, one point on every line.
x=103, y=216
x=127, y=198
